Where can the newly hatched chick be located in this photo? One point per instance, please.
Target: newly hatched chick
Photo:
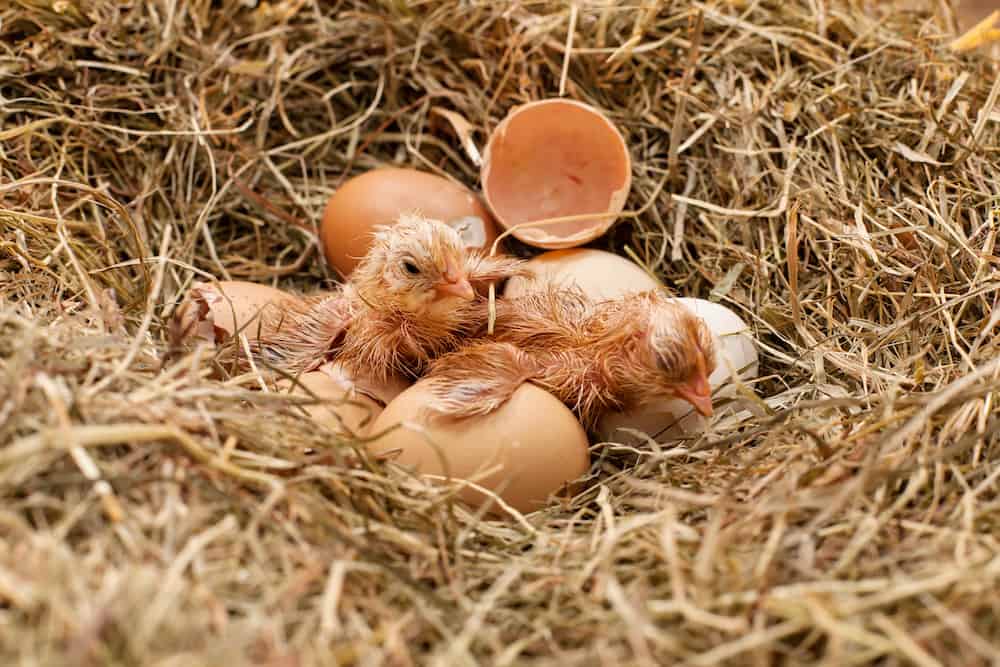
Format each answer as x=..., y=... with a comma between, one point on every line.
x=596, y=357
x=411, y=298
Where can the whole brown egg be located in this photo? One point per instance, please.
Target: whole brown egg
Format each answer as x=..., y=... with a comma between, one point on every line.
x=379, y=197
x=526, y=450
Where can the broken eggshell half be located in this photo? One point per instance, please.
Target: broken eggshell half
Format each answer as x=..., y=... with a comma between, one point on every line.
x=214, y=311
x=552, y=159
x=346, y=403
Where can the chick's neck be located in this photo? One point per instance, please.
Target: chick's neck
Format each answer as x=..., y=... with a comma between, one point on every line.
x=605, y=370
x=385, y=340
x=622, y=362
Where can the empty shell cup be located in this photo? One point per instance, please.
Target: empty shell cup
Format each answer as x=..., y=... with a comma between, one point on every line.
x=552, y=159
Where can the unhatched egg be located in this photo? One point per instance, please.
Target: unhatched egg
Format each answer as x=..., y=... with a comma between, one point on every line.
x=672, y=419
x=379, y=197
x=349, y=405
x=213, y=311
x=526, y=450
x=556, y=158
x=600, y=274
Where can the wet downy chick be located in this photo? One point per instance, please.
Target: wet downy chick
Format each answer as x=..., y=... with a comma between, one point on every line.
x=596, y=357
x=685, y=354
x=414, y=296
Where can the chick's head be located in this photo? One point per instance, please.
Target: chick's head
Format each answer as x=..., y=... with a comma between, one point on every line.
x=417, y=265
x=685, y=354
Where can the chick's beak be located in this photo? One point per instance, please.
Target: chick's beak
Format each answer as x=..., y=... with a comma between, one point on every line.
x=698, y=392
x=461, y=288
x=454, y=283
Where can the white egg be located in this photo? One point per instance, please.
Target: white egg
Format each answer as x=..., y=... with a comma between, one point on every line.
x=673, y=419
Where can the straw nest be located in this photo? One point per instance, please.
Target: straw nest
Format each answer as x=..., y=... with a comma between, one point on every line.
x=825, y=169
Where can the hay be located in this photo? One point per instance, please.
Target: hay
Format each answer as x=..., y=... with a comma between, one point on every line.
x=828, y=173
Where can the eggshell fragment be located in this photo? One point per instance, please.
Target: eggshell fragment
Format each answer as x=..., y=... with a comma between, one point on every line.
x=350, y=404
x=673, y=419
x=213, y=311
x=600, y=274
x=526, y=450
x=379, y=197
x=556, y=158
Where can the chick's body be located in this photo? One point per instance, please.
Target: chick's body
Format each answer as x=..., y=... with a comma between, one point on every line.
x=412, y=298
x=596, y=357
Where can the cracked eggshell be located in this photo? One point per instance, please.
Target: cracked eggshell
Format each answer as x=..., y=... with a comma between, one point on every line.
x=556, y=158
x=349, y=405
x=600, y=274
x=380, y=196
x=673, y=419
x=526, y=450
x=213, y=311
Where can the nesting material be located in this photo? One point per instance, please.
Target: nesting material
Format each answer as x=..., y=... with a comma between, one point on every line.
x=551, y=159
x=831, y=181
x=981, y=34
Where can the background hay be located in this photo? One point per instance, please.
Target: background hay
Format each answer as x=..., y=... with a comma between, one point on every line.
x=833, y=174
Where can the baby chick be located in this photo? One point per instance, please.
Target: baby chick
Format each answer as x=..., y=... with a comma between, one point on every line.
x=596, y=357
x=414, y=296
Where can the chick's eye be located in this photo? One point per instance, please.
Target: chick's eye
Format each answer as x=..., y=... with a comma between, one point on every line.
x=411, y=268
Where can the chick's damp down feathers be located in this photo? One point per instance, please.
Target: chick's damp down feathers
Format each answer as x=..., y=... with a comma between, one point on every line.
x=594, y=356
x=413, y=297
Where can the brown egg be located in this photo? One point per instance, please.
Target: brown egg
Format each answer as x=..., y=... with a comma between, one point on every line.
x=526, y=450
x=551, y=159
x=600, y=274
x=379, y=197
x=350, y=405
x=214, y=311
